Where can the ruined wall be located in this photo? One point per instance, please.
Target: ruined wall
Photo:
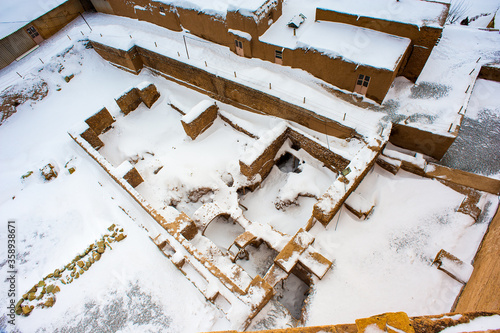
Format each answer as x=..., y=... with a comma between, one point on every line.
x=56, y=19
x=231, y=92
x=265, y=161
x=129, y=60
x=423, y=38
x=425, y=142
x=331, y=160
x=222, y=89
x=490, y=72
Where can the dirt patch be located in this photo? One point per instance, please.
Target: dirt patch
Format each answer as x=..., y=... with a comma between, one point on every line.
x=31, y=89
x=426, y=90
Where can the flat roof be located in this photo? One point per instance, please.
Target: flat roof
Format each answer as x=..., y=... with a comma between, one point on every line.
x=16, y=14
x=416, y=12
x=337, y=40
x=219, y=7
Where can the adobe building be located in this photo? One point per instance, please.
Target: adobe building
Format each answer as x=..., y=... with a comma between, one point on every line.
x=19, y=37
x=360, y=47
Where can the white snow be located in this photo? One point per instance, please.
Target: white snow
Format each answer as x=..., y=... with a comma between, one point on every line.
x=353, y=44
x=460, y=270
x=382, y=264
x=196, y=111
x=242, y=34
x=415, y=12
x=478, y=324
x=16, y=14
x=219, y=7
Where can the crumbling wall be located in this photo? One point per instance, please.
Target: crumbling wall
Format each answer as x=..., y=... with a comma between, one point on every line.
x=490, y=72
x=199, y=119
x=423, y=141
x=100, y=121
x=333, y=199
x=225, y=90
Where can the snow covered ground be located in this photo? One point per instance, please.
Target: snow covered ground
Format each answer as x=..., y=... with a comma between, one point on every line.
x=381, y=264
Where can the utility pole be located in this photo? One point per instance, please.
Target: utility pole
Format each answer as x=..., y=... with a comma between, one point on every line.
x=185, y=45
x=85, y=21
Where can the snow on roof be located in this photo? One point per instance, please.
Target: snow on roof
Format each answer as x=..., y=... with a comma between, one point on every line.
x=218, y=7
x=338, y=40
x=417, y=12
x=16, y=14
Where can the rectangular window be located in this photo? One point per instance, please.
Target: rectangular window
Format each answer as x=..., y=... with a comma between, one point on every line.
x=362, y=84
x=279, y=54
x=238, y=43
x=366, y=81
x=32, y=32
x=162, y=9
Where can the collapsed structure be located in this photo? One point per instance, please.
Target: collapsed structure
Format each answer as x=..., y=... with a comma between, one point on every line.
x=184, y=239
x=218, y=268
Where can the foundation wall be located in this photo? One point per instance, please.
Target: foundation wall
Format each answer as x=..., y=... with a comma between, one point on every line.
x=421, y=141
x=325, y=216
x=265, y=162
x=329, y=158
x=490, y=73
x=222, y=89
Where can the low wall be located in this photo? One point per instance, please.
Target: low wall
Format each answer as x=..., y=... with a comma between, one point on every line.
x=490, y=72
x=421, y=141
x=222, y=89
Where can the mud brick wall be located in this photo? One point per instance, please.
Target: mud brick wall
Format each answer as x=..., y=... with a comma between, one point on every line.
x=264, y=163
x=331, y=160
x=421, y=141
x=490, y=73
x=100, y=121
x=92, y=138
x=423, y=38
x=326, y=216
x=129, y=101
x=149, y=95
x=223, y=89
x=231, y=92
x=129, y=59
x=133, y=177
x=201, y=123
